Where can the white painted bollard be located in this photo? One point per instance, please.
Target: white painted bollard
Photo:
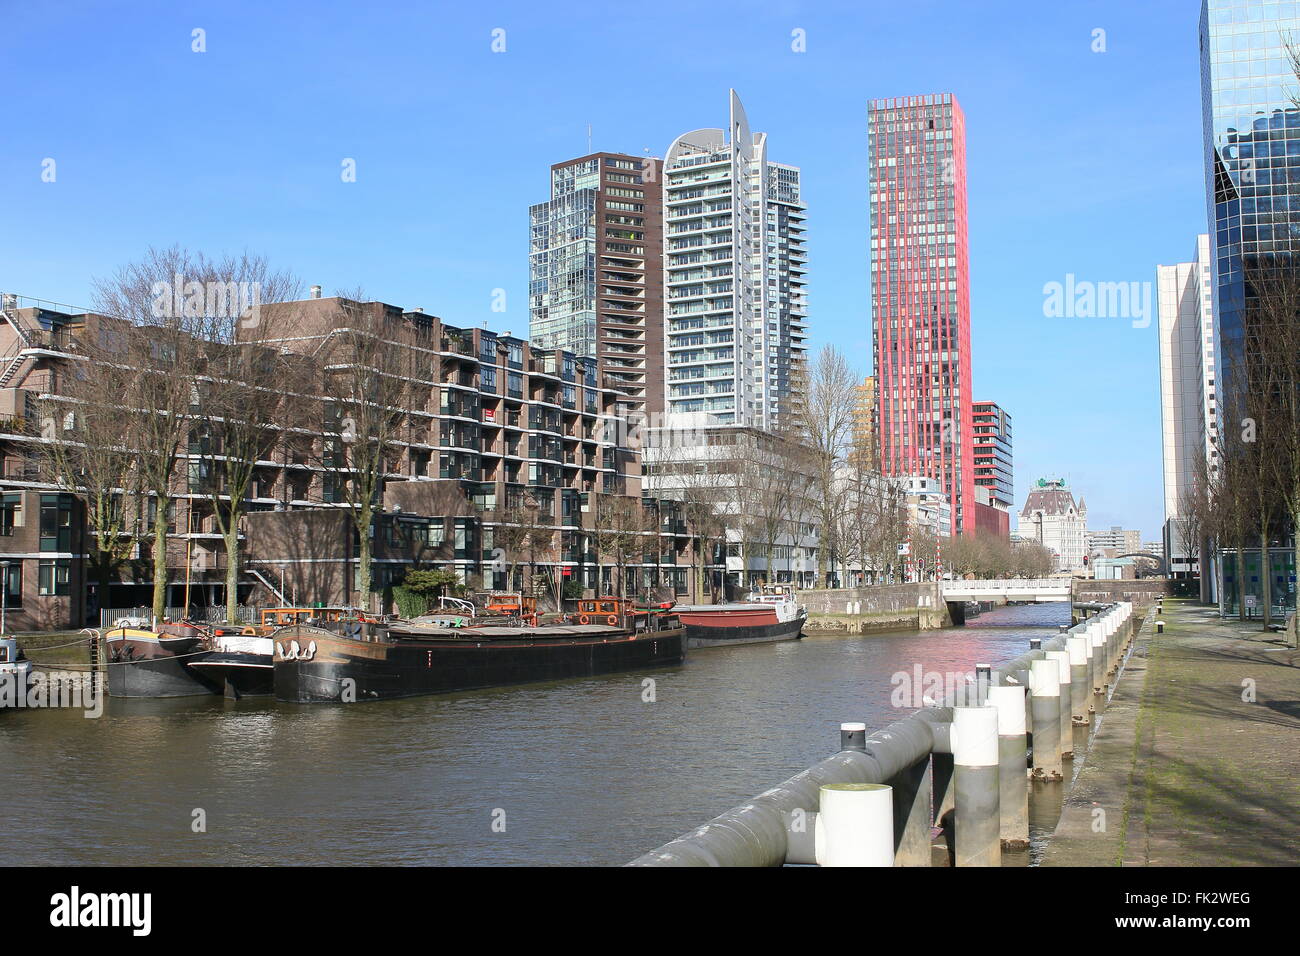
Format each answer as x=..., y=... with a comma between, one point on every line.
x=1045, y=706
x=1013, y=789
x=1062, y=659
x=1080, y=689
x=975, y=775
x=855, y=825
x=1098, y=638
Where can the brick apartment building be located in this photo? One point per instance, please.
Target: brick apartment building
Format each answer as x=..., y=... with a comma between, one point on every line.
x=497, y=426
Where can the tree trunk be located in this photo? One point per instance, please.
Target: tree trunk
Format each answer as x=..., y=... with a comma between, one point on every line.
x=160, y=562
x=823, y=570
x=1265, y=575
x=104, y=572
x=363, y=562
x=232, y=575
x=700, y=570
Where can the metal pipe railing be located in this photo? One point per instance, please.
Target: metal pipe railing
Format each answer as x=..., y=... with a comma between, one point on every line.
x=928, y=763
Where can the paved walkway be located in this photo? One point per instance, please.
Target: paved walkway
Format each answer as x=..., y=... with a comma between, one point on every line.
x=1184, y=771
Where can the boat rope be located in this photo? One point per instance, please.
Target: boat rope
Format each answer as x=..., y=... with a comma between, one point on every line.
x=55, y=647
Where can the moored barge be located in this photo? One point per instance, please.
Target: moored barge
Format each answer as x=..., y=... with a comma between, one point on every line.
x=239, y=660
x=365, y=660
x=144, y=662
x=771, y=614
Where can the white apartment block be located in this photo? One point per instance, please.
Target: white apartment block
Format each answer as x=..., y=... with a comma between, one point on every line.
x=1188, y=412
x=928, y=508
x=734, y=278
x=1119, y=540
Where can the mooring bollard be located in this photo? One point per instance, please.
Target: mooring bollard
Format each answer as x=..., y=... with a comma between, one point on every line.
x=975, y=758
x=855, y=826
x=1160, y=626
x=1110, y=648
x=1013, y=789
x=1045, y=705
x=1098, y=639
x=1035, y=643
x=1062, y=659
x=1080, y=689
x=853, y=736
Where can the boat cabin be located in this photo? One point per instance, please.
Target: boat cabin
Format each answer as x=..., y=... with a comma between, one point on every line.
x=8, y=650
x=276, y=617
x=510, y=604
x=773, y=593
x=607, y=610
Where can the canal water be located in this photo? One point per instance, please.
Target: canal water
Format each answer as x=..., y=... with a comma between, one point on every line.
x=572, y=772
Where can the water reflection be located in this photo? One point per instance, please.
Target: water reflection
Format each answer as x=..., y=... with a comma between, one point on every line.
x=581, y=771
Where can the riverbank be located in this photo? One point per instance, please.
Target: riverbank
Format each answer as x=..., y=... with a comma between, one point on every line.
x=62, y=648
x=878, y=609
x=1195, y=760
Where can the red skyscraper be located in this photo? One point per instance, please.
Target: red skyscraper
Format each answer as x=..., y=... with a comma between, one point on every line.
x=920, y=293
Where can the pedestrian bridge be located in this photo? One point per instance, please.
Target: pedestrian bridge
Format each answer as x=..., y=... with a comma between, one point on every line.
x=1025, y=589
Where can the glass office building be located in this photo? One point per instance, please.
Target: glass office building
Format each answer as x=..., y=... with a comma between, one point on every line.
x=1252, y=153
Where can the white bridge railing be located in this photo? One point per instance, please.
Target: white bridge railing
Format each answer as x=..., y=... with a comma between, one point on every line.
x=1006, y=586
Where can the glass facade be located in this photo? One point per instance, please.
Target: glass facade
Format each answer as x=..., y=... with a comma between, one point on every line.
x=562, y=267
x=992, y=447
x=920, y=295
x=1252, y=151
x=595, y=278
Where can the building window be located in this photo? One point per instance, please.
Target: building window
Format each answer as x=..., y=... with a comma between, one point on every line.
x=54, y=577
x=13, y=584
x=56, y=523
x=11, y=514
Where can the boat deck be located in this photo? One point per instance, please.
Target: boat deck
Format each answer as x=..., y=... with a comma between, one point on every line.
x=496, y=631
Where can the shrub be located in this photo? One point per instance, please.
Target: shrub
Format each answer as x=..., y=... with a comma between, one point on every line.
x=409, y=603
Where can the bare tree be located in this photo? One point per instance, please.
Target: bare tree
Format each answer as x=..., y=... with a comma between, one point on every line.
x=618, y=531
x=83, y=448
x=771, y=485
x=183, y=371
x=240, y=411
x=826, y=429
x=519, y=534
x=1271, y=368
x=371, y=382
x=163, y=299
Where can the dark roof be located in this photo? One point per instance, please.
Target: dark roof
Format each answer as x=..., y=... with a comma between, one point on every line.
x=1050, y=501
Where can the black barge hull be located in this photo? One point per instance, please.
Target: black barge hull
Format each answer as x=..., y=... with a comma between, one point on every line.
x=367, y=672
x=237, y=674
x=157, y=677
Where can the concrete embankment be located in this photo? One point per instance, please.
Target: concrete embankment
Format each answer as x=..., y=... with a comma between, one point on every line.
x=1195, y=761
x=894, y=607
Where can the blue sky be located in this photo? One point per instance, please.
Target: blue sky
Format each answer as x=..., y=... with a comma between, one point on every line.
x=1079, y=162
